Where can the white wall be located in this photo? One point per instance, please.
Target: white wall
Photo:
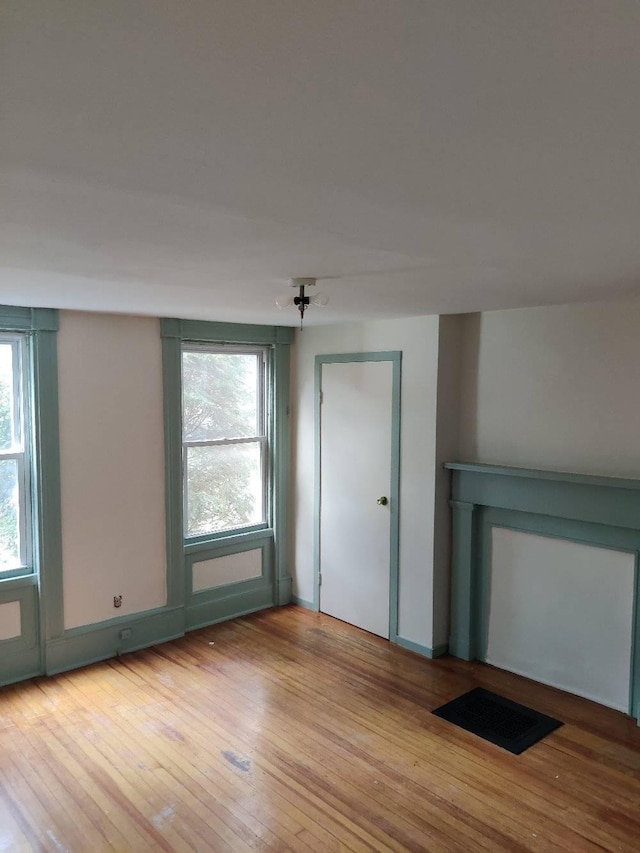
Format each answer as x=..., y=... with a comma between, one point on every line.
x=562, y=612
x=553, y=388
x=112, y=465
x=418, y=340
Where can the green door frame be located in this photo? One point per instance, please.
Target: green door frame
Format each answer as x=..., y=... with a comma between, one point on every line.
x=395, y=357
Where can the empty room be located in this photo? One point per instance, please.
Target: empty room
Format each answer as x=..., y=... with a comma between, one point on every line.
x=319, y=458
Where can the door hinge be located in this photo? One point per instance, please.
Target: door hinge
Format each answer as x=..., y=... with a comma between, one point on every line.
x=319, y=578
x=321, y=397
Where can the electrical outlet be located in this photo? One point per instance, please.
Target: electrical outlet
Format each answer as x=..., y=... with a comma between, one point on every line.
x=117, y=601
x=125, y=634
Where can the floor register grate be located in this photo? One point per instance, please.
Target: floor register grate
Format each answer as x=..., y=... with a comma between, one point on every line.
x=508, y=724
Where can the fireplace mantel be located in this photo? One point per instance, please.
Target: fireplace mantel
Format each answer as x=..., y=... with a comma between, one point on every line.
x=596, y=510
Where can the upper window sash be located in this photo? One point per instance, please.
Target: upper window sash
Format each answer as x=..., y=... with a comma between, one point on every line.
x=18, y=395
x=18, y=450
x=17, y=383
x=262, y=354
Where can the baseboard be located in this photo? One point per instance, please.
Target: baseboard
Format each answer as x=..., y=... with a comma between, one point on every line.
x=425, y=651
x=19, y=664
x=91, y=643
x=308, y=605
x=284, y=590
x=208, y=612
x=23, y=675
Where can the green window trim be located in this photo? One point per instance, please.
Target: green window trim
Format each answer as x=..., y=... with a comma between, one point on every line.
x=44, y=619
x=278, y=339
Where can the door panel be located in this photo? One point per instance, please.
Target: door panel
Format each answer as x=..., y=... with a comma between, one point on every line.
x=355, y=471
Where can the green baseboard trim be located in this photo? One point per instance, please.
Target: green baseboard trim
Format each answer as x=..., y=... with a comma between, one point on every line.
x=440, y=650
x=91, y=643
x=284, y=595
x=201, y=614
x=233, y=616
x=425, y=651
x=19, y=664
x=301, y=602
x=24, y=675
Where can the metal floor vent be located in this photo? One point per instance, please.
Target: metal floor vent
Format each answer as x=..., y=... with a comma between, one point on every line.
x=505, y=723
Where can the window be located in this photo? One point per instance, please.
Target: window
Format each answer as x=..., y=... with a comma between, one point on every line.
x=224, y=438
x=226, y=406
x=15, y=515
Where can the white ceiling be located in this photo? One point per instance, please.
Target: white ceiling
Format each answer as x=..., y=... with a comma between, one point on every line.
x=187, y=157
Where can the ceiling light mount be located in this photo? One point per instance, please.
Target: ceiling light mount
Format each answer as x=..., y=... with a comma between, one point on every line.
x=302, y=300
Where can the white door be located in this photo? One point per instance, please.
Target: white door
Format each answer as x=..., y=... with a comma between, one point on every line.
x=355, y=486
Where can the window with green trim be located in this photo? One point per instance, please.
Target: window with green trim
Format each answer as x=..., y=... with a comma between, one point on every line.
x=15, y=457
x=225, y=453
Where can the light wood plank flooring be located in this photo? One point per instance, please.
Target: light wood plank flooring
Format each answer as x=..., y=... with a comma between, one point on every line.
x=289, y=730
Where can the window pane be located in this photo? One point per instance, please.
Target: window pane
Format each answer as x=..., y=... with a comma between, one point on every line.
x=224, y=484
x=9, y=530
x=220, y=395
x=6, y=396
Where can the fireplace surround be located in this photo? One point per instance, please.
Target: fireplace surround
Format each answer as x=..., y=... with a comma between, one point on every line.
x=582, y=508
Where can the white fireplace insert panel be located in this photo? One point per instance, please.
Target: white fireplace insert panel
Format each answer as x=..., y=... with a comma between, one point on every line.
x=561, y=612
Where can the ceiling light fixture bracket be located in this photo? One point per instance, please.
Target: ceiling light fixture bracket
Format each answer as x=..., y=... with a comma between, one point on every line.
x=302, y=300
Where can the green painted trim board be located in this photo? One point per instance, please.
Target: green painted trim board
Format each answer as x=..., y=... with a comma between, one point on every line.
x=223, y=609
x=302, y=602
x=46, y=493
x=634, y=675
x=539, y=474
x=172, y=403
x=425, y=651
x=16, y=319
x=234, y=544
x=194, y=543
x=281, y=461
x=230, y=333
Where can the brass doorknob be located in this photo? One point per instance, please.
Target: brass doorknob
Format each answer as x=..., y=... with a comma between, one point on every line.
x=383, y=501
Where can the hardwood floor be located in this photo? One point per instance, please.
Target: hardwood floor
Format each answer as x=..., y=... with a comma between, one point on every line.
x=289, y=730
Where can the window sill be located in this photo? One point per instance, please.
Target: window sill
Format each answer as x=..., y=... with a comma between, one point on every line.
x=19, y=581
x=205, y=543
